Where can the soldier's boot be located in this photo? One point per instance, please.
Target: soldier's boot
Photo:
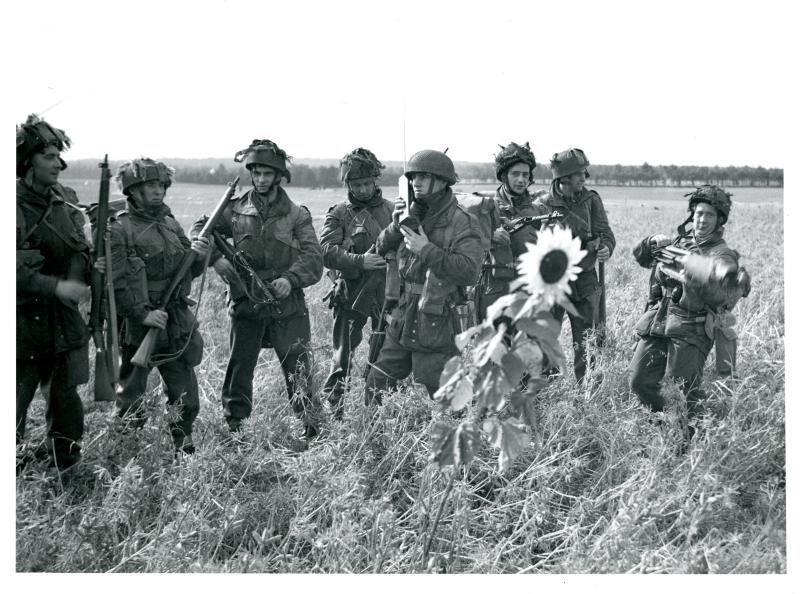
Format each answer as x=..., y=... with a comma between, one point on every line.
x=184, y=444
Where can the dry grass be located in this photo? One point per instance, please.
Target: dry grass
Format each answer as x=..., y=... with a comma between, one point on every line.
x=602, y=488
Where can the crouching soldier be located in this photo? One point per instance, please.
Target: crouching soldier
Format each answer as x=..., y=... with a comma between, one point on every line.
x=277, y=239
x=147, y=247
x=688, y=301
x=348, y=248
x=439, y=252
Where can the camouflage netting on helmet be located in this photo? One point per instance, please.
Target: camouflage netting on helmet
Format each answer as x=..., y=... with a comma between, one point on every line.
x=143, y=170
x=434, y=162
x=511, y=155
x=360, y=163
x=265, y=152
x=713, y=195
x=34, y=136
x=568, y=162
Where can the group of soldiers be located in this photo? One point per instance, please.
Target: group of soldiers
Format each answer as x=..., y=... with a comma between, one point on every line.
x=409, y=266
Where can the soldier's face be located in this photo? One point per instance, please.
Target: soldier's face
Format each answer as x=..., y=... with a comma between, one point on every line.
x=518, y=177
x=263, y=177
x=46, y=166
x=361, y=187
x=150, y=194
x=705, y=219
x=426, y=184
x=574, y=181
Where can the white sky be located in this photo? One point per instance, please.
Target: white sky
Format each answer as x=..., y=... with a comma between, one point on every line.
x=679, y=82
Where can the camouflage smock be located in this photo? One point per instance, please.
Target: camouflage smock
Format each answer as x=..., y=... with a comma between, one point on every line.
x=146, y=253
x=585, y=216
x=424, y=319
x=51, y=246
x=350, y=230
x=692, y=317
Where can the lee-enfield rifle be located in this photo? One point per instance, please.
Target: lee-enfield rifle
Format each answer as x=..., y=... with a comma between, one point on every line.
x=103, y=386
x=142, y=356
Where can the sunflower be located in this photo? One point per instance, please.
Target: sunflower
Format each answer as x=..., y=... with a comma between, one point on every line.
x=549, y=265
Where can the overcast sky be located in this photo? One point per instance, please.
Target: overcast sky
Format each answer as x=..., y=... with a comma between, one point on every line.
x=697, y=82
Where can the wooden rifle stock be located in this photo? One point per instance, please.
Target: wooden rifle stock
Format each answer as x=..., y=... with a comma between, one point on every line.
x=142, y=356
x=103, y=388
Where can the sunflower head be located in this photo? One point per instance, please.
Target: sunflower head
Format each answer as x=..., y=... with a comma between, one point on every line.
x=549, y=265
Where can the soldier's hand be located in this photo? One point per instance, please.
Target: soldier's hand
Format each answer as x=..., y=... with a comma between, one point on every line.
x=156, y=319
x=225, y=270
x=71, y=292
x=603, y=253
x=399, y=209
x=100, y=264
x=501, y=236
x=282, y=288
x=200, y=246
x=415, y=241
x=658, y=241
x=373, y=262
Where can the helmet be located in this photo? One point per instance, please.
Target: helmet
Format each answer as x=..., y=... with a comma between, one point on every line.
x=511, y=155
x=143, y=170
x=360, y=163
x=34, y=136
x=568, y=162
x=265, y=152
x=713, y=195
x=433, y=162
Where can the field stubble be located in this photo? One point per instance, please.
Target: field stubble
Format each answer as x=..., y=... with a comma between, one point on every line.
x=600, y=489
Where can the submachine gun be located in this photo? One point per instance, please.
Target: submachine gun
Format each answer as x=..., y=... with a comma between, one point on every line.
x=537, y=222
x=142, y=356
x=257, y=289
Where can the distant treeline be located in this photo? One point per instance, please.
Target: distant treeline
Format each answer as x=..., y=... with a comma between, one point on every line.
x=327, y=176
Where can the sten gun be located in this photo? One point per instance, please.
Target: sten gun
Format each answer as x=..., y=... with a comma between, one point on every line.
x=537, y=221
x=245, y=270
x=142, y=356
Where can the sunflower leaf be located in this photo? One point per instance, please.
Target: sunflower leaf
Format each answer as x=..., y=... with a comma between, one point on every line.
x=513, y=367
x=493, y=389
x=510, y=437
x=449, y=377
x=453, y=446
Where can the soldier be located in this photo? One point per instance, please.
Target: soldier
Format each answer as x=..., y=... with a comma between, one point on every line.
x=438, y=253
x=585, y=216
x=677, y=330
x=52, y=272
x=348, y=247
x=147, y=247
x=514, y=166
x=277, y=238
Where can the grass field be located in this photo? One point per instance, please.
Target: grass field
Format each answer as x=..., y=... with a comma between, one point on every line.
x=600, y=489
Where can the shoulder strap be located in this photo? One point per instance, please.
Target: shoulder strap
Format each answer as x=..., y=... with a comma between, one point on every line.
x=26, y=234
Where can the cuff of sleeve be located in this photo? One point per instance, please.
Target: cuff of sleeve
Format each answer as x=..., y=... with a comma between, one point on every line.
x=139, y=313
x=427, y=252
x=293, y=280
x=359, y=261
x=49, y=284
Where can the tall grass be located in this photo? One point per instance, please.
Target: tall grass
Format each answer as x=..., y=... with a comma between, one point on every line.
x=603, y=486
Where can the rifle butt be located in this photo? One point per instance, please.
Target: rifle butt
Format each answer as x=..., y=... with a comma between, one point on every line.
x=103, y=389
x=142, y=356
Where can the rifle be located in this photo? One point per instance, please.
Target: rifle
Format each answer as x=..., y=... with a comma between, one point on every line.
x=537, y=221
x=142, y=356
x=244, y=269
x=103, y=389
x=601, y=308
